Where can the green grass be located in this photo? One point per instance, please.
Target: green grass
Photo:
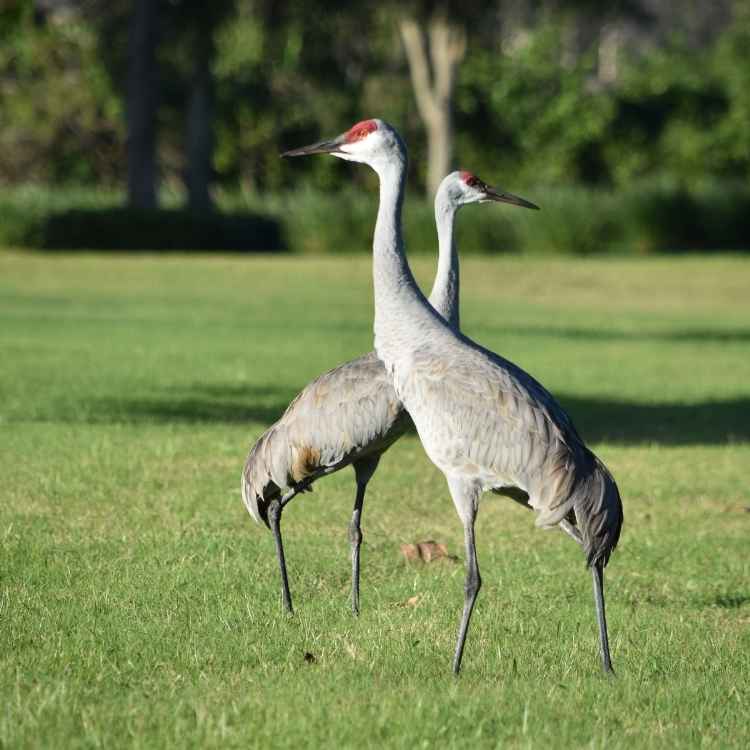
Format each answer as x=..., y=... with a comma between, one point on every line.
x=140, y=606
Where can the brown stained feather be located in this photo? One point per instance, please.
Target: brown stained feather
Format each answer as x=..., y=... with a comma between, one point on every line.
x=305, y=463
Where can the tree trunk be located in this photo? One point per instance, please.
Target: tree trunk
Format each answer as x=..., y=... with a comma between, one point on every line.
x=200, y=137
x=434, y=55
x=142, y=104
x=610, y=41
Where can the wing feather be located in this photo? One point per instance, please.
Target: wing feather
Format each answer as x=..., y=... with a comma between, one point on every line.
x=346, y=413
x=496, y=417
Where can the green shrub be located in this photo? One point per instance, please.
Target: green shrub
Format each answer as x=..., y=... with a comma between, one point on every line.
x=88, y=218
x=648, y=217
x=725, y=215
x=575, y=221
x=24, y=210
x=343, y=222
x=165, y=229
x=675, y=218
x=662, y=219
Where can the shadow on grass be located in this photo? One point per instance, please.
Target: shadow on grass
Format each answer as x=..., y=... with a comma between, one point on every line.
x=231, y=404
x=706, y=422
x=731, y=601
x=597, y=420
x=697, y=336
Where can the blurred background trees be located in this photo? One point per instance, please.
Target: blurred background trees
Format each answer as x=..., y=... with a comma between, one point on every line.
x=185, y=100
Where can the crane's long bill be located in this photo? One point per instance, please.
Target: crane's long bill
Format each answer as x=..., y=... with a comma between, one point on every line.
x=514, y=200
x=323, y=147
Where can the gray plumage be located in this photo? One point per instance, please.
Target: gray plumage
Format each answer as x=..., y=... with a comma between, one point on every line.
x=346, y=415
x=349, y=415
x=505, y=432
x=483, y=421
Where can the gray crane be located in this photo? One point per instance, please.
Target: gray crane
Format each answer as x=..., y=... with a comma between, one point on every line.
x=350, y=415
x=483, y=421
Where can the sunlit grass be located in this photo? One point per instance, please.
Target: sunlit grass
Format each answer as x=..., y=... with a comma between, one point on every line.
x=139, y=604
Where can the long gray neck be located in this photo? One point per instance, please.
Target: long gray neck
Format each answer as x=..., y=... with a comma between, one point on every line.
x=444, y=294
x=404, y=320
x=390, y=270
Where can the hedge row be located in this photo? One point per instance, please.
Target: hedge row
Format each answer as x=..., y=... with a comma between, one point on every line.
x=646, y=219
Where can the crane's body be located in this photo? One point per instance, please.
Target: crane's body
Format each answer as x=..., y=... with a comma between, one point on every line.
x=347, y=416
x=498, y=428
x=483, y=421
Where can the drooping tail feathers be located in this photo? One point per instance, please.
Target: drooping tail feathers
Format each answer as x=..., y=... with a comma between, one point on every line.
x=598, y=511
x=256, y=506
x=279, y=464
x=258, y=487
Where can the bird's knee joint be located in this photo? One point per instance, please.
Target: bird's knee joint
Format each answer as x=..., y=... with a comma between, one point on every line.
x=472, y=586
x=355, y=535
x=274, y=512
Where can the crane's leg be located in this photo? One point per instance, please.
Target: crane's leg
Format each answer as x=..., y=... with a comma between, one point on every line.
x=465, y=498
x=355, y=539
x=471, y=589
x=597, y=571
x=274, y=519
x=363, y=470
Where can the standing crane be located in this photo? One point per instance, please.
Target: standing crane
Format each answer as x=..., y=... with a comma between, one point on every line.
x=483, y=421
x=350, y=415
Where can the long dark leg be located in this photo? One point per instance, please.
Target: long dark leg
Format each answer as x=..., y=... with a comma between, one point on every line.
x=597, y=571
x=466, y=499
x=274, y=519
x=364, y=468
x=355, y=538
x=472, y=585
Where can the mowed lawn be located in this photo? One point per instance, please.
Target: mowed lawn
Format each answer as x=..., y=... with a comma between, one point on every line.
x=140, y=604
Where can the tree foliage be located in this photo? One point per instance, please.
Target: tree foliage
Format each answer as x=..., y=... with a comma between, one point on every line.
x=549, y=91
x=62, y=118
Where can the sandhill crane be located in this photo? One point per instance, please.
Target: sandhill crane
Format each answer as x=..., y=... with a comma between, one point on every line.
x=350, y=415
x=483, y=421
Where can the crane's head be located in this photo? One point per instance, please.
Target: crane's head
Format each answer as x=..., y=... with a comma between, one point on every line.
x=464, y=187
x=372, y=142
